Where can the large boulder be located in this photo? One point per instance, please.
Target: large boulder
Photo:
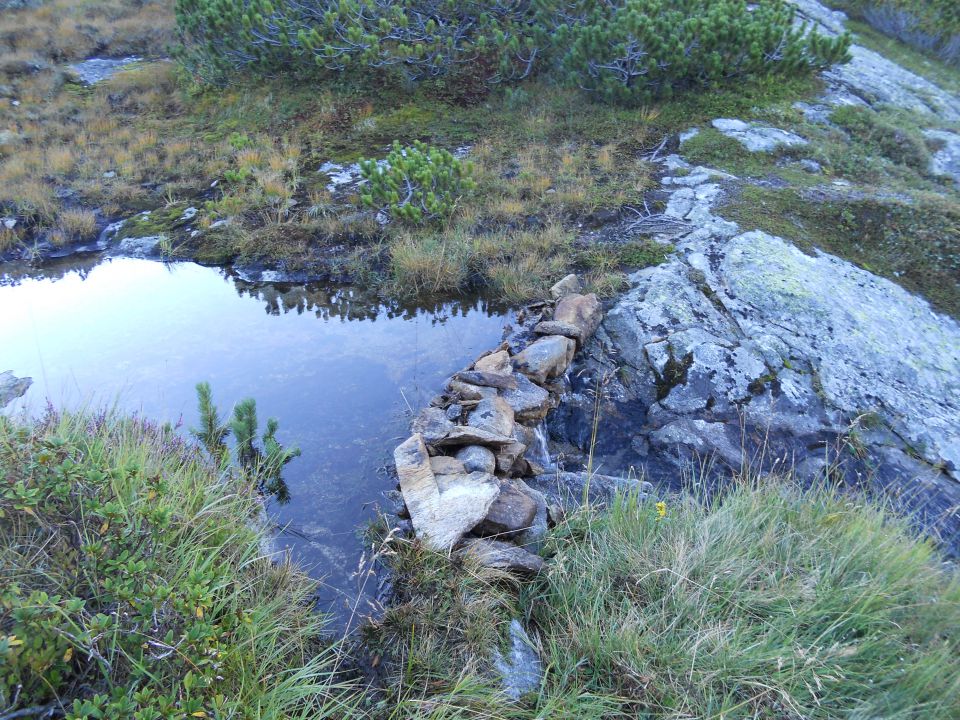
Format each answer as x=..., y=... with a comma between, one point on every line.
x=547, y=358
x=441, y=515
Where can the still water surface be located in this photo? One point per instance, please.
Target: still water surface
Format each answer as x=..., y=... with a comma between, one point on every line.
x=342, y=374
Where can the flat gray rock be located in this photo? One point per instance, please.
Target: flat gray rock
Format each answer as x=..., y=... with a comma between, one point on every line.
x=521, y=670
x=757, y=138
x=12, y=387
x=946, y=160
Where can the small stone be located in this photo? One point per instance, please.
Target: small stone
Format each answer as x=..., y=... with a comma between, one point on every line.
x=485, y=379
x=432, y=423
x=493, y=415
x=568, y=285
x=507, y=456
x=466, y=391
x=476, y=458
x=454, y=412
x=110, y=174
x=497, y=363
x=555, y=327
x=811, y=166
x=502, y=555
x=547, y=358
x=581, y=311
x=446, y=465
x=467, y=435
x=512, y=512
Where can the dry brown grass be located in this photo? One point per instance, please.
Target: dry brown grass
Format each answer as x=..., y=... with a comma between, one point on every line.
x=57, y=137
x=76, y=224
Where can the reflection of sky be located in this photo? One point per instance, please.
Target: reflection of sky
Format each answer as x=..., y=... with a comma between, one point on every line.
x=142, y=334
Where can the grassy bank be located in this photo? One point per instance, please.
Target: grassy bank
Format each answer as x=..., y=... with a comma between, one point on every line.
x=771, y=602
x=133, y=584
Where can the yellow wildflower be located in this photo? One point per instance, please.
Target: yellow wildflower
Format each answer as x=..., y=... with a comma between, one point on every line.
x=661, y=510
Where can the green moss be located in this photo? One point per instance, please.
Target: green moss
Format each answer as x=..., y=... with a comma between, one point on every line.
x=161, y=221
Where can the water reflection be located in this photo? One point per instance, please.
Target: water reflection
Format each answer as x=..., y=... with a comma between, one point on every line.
x=340, y=371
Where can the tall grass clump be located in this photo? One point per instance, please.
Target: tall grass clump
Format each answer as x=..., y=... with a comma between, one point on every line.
x=133, y=584
x=770, y=602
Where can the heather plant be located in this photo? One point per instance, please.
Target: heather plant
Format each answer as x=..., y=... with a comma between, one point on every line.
x=132, y=584
x=416, y=184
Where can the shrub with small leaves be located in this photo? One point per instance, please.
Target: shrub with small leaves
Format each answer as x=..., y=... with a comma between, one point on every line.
x=132, y=583
x=415, y=184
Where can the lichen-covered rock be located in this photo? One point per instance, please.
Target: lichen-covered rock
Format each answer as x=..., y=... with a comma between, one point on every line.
x=433, y=424
x=757, y=138
x=547, y=358
x=555, y=327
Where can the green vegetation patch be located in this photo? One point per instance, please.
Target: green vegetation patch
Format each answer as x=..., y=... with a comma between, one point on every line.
x=133, y=585
x=768, y=601
x=629, y=51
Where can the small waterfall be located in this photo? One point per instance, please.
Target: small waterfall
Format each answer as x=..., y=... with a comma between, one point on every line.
x=538, y=452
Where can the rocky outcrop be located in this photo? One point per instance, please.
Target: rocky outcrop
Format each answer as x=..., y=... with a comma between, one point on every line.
x=745, y=350
x=870, y=78
x=462, y=471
